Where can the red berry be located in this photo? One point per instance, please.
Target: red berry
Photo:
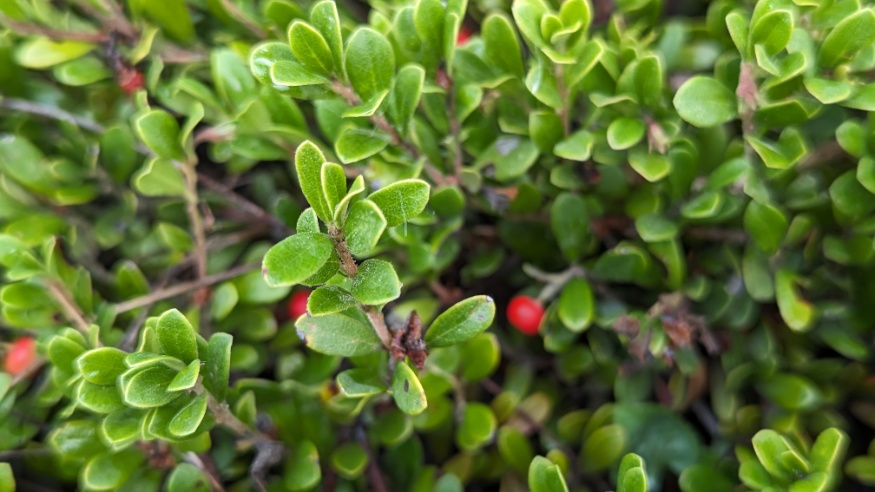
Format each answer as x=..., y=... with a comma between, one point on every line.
x=298, y=303
x=464, y=35
x=20, y=355
x=525, y=314
x=130, y=80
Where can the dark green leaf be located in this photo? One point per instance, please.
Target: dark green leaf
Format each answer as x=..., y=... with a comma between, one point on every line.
x=407, y=390
x=102, y=365
x=310, y=48
x=376, y=283
x=849, y=36
x=187, y=420
x=160, y=132
x=463, y=321
x=337, y=334
x=401, y=200
x=296, y=258
x=369, y=62
x=704, y=102
x=217, y=365
x=576, y=305
x=569, y=219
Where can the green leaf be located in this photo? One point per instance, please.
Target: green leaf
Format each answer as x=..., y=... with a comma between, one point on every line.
x=769, y=446
x=62, y=352
x=217, y=365
x=302, y=471
x=405, y=94
x=576, y=305
x=847, y=38
x=307, y=222
x=363, y=228
x=577, y=146
x=791, y=391
x=407, y=390
x=463, y=321
x=850, y=197
x=369, y=62
x=39, y=52
x=293, y=74
x=766, y=225
x=367, y=108
x=109, y=470
x=98, y=398
x=738, y=24
x=704, y=102
x=829, y=91
x=356, y=144
x=308, y=164
x=187, y=378
x=428, y=21
x=358, y=186
x=160, y=132
x=652, y=167
x=337, y=334
x=171, y=16
x=296, y=258
x=224, y=299
x=333, y=183
x=515, y=448
x=189, y=418
x=176, y=336
x=545, y=129
x=772, y=31
x=797, y=312
x=401, y=200
x=360, y=382
x=80, y=72
x=147, y=388
x=501, y=46
x=349, y=460
x=655, y=227
x=329, y=299
x=232, y=78
x=603, y=447
x=569, y=219
x=511, y=155
x=310, y=48
x=545, y=476
x=625, y=132
x=477, y=427
x=649, y=81
x=102, y=365
x=7, y=479
x=159, y=177
x=122, y=428
x=186, y=477
x=828, y=451
x=325, y=19
x=376, y=283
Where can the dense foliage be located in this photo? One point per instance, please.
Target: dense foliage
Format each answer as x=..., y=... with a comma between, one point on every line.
x=427, y=246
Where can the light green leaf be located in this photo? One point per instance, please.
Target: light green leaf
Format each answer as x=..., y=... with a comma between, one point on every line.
x=501, y=45
x=624, y=132
x=98, y=398
x=187, y=420
x=376, y=283
x=39, y=52
x=102, y=365
x=477, y=427
x=333, y=183
x=308, y=164
x=369, y=62
x=766, y=225
x=655, y=227
x=122, y=428
x=159, y=177
x=337, y=334
x=296, y=258
x=310, y=48
x=603, y=447
x=187, y=478
x=847, y=38
x=302, y=471
x=80, y=72
x=828, y=451
x=349, y=460
x=772, y=31
x=576, y=147
x=325, y=19
x=232, y=78
x=704, y=102
x=293, y=74
x=829, y=91
x=160, y=132
x=363, y=228
x=177, y=336
x=329, y=299
x=109, y=471
x=355, y=144
x=576, y=305
x=545, y=476
x=797, y=312
x=401, y=200
x=217, y=366
x=463, y=321
x=360, y=382
x=367, y=108
x=187, y=378
x=307, y=222
x=405, y=95
x=358, y=186
x=407, y=390
x=652, y=167
x=147, y=388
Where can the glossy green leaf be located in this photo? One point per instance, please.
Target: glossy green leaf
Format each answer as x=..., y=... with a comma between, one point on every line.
x=187, y=378
x=376, y=283
x=102, y=365
x=407, y=390
x=308, y=165
x=704, y=102
x=356, y=144
x=186, y=477
x=766, y=225
x=652, y=167
x=217, y=366
x=108, y=471
x=849, y=36
x=624, y=132
x=405, y=94
x=296, y=258
x=369, y=62
x=576, y=305
x=302, y=471
x=655, y=227
x=147, y=388
x=501, y=45
x=349, y=460
x=293, y=74
x=577, y=146
x=401, y=200
x=329, y=299
x=828, y=451
x=545, y=476
x=360, y=382
x=364, y=227
x=98, y=398
x=176, y=336
x=159, y=177
x=797, y=312
x=461, y=322
x=337, y=334
x=187, y=420
x=310, y=48
x=603, y=447
x=40, y=52
x=160, y=132
x=772, y=31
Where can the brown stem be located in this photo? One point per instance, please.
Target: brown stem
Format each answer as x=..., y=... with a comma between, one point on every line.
x=197, y=461
x=50, y=112
x=378, y=483
x=182, y=288
x=65, y=301
x=382, y=123
x=227, y=419
x=240, y=201
x=28, y=29
x=375, y=316
x=244, y=19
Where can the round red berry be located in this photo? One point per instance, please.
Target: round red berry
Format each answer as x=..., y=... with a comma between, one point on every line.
x=298, y=304
x=19, y=356
x=464, y=35
x=525, y=314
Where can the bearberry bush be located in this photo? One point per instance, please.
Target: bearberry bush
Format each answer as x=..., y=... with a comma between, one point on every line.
x=416, y=245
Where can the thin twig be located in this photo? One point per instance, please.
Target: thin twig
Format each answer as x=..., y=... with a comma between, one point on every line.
x=65, y=301
x=244, y=19
x=183, y=288
x=51, y=112
x=378, y=483
x=28, y=29
x=241, y=202
x=196, y=460
x=375, y=316
x=382, y=123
